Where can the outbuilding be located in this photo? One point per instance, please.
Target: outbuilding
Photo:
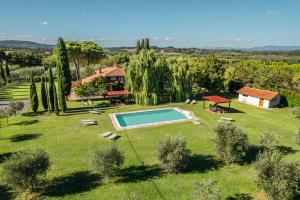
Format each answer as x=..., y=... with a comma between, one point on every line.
x=258, y=97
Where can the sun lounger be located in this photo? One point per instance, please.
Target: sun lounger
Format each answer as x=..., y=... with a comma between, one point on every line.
x=227, y=119
x=193, y=102
x=107, y=134
x=113, y=137
x=85, y=103
x=88, y=122
x=95, y=111
x=187, y=101
x=90, y=102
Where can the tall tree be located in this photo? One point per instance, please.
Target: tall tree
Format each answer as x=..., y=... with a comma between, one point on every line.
x=7, y=72
x=3, y=80
x=138, y=47
x=147, y=44
x=51, y=89
x=91, y=52
x=143, y=43
x=33, y=95
x=44, y=94
x=181, y=79
x=75, y=55
x=55, y=101
x=142, y=78
x=64, y=76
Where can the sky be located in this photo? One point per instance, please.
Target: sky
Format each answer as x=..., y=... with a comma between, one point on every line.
x=178, y=23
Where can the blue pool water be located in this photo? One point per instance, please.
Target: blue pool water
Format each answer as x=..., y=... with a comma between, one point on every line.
x=149, y=117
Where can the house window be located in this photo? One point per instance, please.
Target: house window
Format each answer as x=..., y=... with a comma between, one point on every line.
x=245, y=95
x=121, y=78
x=113, y=78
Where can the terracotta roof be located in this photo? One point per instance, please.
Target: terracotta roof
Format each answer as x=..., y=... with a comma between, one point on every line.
x=264, y=94
x=216, y=99
x=117, y=93
x=105, y=72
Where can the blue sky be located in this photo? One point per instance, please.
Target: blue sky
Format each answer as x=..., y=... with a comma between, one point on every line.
x=180, y=23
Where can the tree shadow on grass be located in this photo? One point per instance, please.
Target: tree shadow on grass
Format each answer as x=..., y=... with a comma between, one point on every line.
x=31, y=114
x=24, y=137
x=84, y=110
x=139, y=173
x=285, y=150
x=26, y=122
x=203, y=163
x=241, y=196
x=5, y=156
x=76, y=182
x=5, y=193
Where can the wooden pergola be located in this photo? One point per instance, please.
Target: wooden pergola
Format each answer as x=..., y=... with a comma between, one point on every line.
x=216, y=99
x=117, y=94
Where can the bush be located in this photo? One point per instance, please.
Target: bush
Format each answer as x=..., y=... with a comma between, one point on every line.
x=207, y=190
x=108, y=161
x=16, y=105
x=231, y=142
x=22, y=170
x=269, y=140
x=278, y=178
x=173, y=154
x=296, y=112
x=297, y=136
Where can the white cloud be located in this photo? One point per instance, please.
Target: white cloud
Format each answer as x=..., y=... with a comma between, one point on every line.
x=272, y=12
x=4, y=35
x=44, y=23
x=169, y=39
x=233, y=40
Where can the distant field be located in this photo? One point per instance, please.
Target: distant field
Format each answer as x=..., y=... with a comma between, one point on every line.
x=71, y=147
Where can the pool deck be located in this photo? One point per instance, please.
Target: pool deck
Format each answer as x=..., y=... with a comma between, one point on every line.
x=190, y=117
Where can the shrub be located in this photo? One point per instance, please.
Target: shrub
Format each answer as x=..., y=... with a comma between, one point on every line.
x=108, y=161
x=231, y=142
x=268, y=140
x=16, y=105
x=296, y=112
x=207, y=190
x=22, y=170
x=297, y=136
x=173, y=154
x=278, y=178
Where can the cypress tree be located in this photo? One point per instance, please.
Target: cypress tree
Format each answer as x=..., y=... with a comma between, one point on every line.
x=44, y=94
x=138, y=47
x=2, y=73
x=7, y=72
x=143, y=43
x=64, y=76
x=51, y=90
x=56, y=109
x=147, y=45
x=33, y=95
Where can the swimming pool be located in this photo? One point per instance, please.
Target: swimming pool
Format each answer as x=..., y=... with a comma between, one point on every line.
x=144, y=118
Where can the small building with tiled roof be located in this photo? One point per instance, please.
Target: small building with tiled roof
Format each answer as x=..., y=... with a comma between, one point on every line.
x=258, y=97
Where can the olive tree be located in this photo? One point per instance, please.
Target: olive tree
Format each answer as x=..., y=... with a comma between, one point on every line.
x=231, y=142
x=277, y=177
x=207, y=190
x=173, y=154
x=108, y=161
x=269, y=140
x=23, y=169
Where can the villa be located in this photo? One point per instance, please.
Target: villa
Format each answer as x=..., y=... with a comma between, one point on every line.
x=114, y=77
x=258, y=97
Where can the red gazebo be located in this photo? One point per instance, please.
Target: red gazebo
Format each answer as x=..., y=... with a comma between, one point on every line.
x=216, y=99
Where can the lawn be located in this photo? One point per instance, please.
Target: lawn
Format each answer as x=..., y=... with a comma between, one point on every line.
x=71, y=147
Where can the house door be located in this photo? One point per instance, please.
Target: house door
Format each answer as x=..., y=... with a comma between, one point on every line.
x=261, y=102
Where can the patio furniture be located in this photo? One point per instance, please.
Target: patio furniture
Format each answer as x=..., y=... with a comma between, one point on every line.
x=113, y=137
x=193, y=102
x=90, y=102
x=88, y=122
x=187, y=101
x=107, y=134
x=94, y=111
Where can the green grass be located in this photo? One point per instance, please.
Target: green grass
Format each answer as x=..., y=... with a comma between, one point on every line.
x=14, y=92
x=71, y=147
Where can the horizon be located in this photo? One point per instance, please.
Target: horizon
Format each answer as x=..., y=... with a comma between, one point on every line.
x=193, y=24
